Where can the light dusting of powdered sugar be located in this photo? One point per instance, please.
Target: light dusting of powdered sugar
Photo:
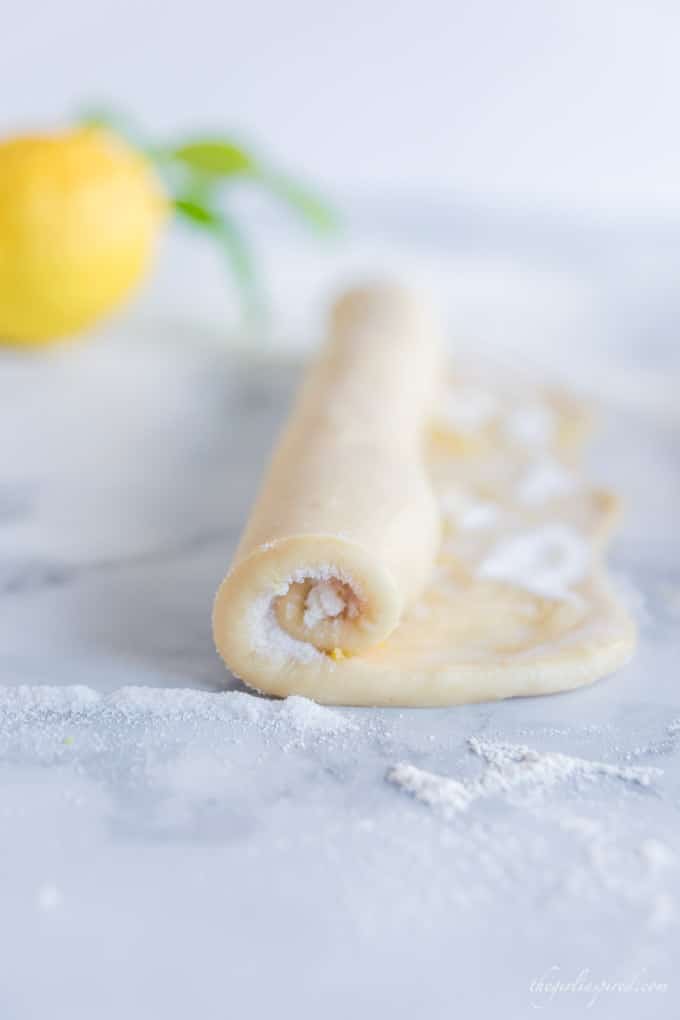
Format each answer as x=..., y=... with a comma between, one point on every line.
x=436, y=791
x=508, y=768
x=269, y=639
x=547, y=561
x=532, y=425
x=544, y=480
x=480, y=515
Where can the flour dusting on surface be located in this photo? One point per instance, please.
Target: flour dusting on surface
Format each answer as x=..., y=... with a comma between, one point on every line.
x=606, y=863
x=36, y=710
x=509, y=767
x=193, y=765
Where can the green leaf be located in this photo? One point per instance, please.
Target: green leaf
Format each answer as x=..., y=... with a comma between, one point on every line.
x=240, y=260
x=232, y=244
x=197, y=212
x=218, y=157
x=314, y=210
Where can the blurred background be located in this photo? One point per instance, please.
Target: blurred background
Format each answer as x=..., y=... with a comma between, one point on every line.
x=535, y=104
x=520, y=159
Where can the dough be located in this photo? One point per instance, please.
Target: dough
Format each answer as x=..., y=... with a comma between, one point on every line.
x=420, y=537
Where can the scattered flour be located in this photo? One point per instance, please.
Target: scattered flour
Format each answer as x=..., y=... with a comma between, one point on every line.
x=436, y=791
x=545, y=561
x=195, y=765
x=480, y=515
x=27, y=701
x=606, y=866
x=545, y=480
x=508, y=768
x=666, y=745
x=533, y=425
x=37, y=710
x=306, y=716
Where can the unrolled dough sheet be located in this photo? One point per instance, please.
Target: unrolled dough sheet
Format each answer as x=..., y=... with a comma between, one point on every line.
x=421, y=537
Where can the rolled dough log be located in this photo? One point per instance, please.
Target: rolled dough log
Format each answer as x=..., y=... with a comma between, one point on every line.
x=420, y=538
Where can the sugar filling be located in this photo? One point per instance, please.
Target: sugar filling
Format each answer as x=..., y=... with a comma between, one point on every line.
x=333, y=594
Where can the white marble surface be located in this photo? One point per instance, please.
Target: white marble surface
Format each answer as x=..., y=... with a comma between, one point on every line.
x=172, y=850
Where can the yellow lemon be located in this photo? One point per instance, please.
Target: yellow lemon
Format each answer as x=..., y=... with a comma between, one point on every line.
x=80, y=213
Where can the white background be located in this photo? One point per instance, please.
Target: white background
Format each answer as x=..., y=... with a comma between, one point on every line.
x=566, y=105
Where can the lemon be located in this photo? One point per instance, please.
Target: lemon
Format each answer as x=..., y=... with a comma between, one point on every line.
x=80, y=214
